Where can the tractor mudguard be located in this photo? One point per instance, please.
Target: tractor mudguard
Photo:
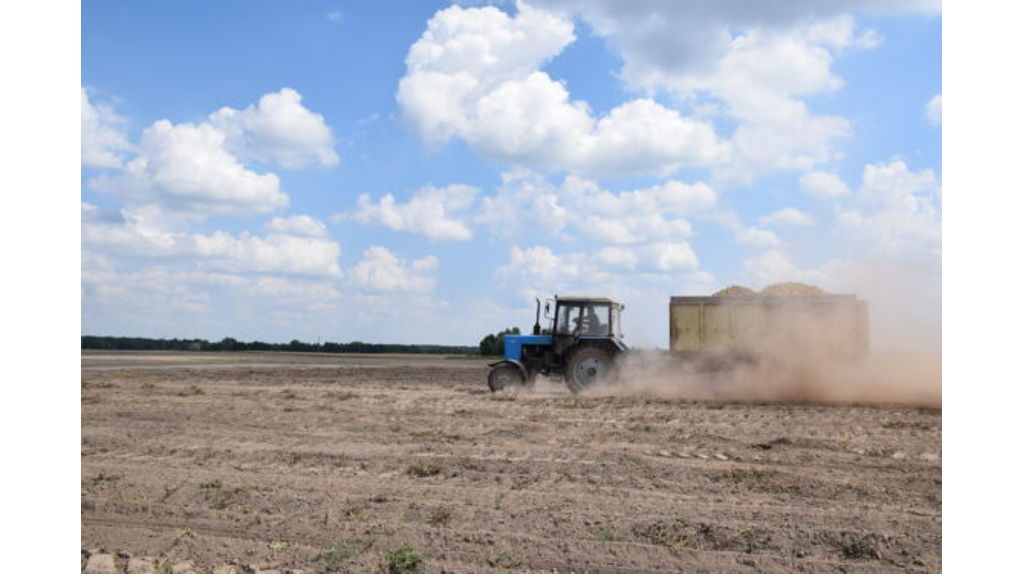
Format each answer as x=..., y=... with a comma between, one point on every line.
x=519, y=365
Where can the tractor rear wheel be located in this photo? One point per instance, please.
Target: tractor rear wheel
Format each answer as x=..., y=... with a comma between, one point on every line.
x=503, y=377
x=587, y=367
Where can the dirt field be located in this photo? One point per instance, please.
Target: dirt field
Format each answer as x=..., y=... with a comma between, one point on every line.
x=245, y=463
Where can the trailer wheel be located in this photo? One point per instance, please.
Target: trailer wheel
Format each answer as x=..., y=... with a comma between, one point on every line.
x=503, y=377
x=587, y=367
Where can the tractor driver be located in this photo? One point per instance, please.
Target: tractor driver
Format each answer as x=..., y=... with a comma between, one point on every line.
x=592, y=323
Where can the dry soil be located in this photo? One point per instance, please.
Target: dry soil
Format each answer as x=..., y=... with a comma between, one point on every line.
x=273, y=462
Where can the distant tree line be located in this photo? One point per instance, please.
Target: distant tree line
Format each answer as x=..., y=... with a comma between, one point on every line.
x=229, y=344
x=494, y=345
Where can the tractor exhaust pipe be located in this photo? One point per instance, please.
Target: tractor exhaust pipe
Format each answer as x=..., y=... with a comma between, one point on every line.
x=536, y=324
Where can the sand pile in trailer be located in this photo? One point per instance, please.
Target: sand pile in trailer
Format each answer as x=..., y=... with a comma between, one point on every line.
x=785, y=289
x=792, y=288
x=734, y=291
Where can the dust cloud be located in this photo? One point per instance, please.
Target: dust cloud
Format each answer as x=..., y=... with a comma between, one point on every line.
x=881, y=378
x=903, y=364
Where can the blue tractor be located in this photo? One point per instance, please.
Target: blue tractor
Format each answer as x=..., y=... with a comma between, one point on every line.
x=581, y=344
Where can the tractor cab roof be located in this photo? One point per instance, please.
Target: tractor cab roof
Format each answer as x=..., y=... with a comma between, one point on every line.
x=585, y=299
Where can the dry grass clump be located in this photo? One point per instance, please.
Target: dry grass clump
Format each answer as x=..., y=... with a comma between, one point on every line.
x=424, y=469
x=746, y=475
x=441, y=516
x=859, y=545
x=191, y=391
x=680, y=533
x=504, y=560
x=219, y=496
x=915, y=425
x=340, y=395
x=759, y=479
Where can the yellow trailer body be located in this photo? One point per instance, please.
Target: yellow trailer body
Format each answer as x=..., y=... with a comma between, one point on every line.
x=834, y=326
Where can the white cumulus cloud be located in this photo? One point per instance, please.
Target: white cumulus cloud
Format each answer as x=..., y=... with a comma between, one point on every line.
x=775, y=265
x=301, y=225
x=889, y=227
x=897, y=212
x=104, y=142
x=933, y=110
x=123, y=235
x=280, y=129
x=474, y=74
x=757, y=237
x=193, y=170
x=788, y=216
x=758, y=59
x=539, y=265
x=430, y=212
x=275, y=253
x=380, y=270
x=186, y=168
x=527, y=202
x=823, y=185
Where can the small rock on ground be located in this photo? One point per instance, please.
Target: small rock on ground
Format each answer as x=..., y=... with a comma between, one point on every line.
x=100, y=564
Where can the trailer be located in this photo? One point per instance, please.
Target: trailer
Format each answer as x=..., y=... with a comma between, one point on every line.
x=751, y=327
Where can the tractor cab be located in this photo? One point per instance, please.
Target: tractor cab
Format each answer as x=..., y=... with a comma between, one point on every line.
x=580, y=344
x=585, y=318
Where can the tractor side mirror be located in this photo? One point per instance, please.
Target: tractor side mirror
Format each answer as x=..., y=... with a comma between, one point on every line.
x=547, y=310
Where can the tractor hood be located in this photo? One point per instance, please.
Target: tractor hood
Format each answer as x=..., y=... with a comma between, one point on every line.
x=514, y=344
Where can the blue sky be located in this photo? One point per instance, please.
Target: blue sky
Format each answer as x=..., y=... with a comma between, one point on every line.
x=238, y=158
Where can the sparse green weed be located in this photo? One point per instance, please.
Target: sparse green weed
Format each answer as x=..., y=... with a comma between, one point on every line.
x=404, y=560
x=607, y=533
x=107, y=477
x=340, y=553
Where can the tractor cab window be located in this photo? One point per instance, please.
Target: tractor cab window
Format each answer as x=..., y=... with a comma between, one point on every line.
x=584, y=319
x=568, y=318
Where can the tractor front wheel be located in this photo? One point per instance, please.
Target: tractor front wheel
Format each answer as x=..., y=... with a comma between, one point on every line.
x=504, y=377
x=587, y=367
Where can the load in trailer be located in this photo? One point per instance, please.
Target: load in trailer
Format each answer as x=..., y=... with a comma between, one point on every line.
x=581, y=344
